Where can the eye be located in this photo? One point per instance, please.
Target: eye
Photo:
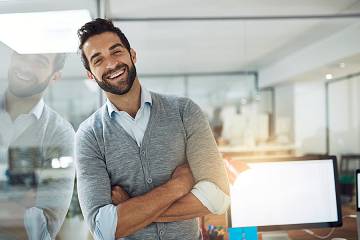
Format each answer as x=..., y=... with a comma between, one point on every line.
x=117, y=52
x=97, y=61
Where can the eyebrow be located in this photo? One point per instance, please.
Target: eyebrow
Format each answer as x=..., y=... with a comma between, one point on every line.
x=115, y=46
x=94, y=56
x=110, y=48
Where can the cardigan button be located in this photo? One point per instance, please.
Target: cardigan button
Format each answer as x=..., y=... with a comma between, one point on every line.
x=149, y=180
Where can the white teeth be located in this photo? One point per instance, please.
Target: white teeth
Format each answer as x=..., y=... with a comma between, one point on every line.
x=22, y=77
x=116, y=74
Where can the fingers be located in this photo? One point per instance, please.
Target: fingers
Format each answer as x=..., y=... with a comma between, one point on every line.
x=117, y=188
x=234, y=168
x=118, y=195
x=114, y=200
x=181, y=169
x=240, y=166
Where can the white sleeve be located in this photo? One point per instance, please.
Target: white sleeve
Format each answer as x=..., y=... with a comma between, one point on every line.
x=105, y=223
x=35, y=224
x=211, y=196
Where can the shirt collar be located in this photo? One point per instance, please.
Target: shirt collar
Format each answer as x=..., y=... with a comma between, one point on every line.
x=36, y=110
x=144, y=98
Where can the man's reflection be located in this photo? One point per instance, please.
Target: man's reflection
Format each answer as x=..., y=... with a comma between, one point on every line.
x=36, y=151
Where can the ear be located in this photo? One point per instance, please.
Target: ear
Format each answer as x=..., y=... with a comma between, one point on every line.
x=55, y=77
x=90, y=75
x=133, y=55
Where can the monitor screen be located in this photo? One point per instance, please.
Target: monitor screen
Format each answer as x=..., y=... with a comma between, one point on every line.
x=286, y=194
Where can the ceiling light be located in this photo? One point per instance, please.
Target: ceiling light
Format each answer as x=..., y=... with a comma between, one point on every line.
x=328, y=76
x=42, y=32
x=55, y=163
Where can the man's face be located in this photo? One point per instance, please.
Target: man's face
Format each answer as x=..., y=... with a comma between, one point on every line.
x=30, y=74
x=110, y=62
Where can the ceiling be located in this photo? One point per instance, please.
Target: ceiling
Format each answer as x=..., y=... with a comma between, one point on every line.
x=194, y=46
x=201, y=8
x=342, y=68
x=217, y=46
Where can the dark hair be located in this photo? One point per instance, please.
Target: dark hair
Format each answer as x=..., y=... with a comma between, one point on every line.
x=96, y=27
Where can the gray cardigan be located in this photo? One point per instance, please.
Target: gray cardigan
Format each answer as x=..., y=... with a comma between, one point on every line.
x=44, y=139
x=106, y=155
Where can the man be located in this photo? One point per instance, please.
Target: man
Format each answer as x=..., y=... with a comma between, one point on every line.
x=155, y=153
x=32, y=136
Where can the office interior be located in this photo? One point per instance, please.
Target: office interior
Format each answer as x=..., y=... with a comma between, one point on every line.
x=276, y=79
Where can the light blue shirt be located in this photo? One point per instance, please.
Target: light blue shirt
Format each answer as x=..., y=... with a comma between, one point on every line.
x=106, y=219
x=135, y=127
x=210, y=195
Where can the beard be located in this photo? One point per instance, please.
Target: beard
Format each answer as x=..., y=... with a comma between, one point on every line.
x=27, y=89
x=106, y=85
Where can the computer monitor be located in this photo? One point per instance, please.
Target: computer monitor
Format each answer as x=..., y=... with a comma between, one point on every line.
x=357, y=187
x=357, y=180
x=277, y=194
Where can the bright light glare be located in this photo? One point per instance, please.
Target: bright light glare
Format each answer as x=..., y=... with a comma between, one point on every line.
x=55, y=163
x=42, y=32
x=65, y=161
x=329, y=76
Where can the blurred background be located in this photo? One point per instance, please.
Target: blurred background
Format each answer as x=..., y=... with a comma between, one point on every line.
x=274, y=77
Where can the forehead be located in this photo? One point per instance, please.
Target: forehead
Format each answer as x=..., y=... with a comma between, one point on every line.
x=100, y=42
x=49, y=58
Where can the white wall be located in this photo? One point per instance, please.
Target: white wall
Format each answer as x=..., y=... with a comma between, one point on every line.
x=310, y=116
x=304, y=103
x=284, y=111
x=344, y=112
x=301, y=106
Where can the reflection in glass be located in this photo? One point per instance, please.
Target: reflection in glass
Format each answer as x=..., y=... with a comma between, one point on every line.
x=36, y=151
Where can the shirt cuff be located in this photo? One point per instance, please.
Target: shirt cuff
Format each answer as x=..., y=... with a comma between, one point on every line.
x=35, y=224
x=105, y=223
x=211, y=196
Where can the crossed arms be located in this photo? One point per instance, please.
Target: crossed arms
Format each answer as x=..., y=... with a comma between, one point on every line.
x=169, y=202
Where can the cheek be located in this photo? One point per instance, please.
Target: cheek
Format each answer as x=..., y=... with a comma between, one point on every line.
x=95, y=71
x=43, y=76
x=98, y=74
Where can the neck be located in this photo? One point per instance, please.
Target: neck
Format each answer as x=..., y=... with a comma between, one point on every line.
x=16, y=105
x=129, y=102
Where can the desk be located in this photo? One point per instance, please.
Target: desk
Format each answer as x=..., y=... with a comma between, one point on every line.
x=348, y=230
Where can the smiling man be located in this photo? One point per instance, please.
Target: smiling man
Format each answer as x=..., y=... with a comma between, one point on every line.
x=147, y=164
x=31, y=136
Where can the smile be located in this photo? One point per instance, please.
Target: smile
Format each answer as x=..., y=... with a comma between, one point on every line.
x=117, y=74
x=22, y=77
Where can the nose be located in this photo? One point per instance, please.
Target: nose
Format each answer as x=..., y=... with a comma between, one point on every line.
x=111, y=63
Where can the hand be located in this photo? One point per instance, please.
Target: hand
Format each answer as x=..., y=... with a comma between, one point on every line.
x=118, y=195
x=184, y=178
x=234, y=168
